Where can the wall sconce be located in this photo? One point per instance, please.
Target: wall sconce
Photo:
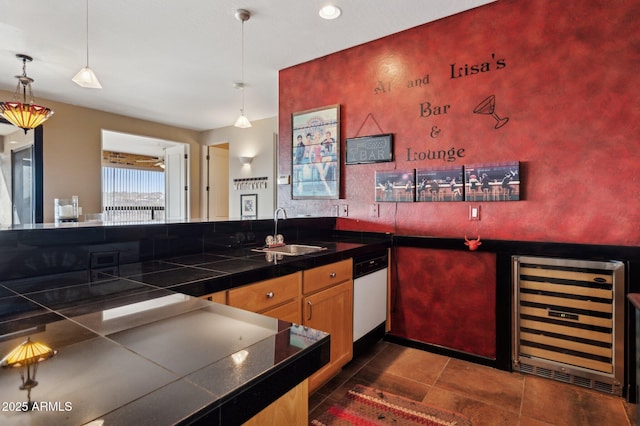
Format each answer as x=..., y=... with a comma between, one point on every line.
x=27, y=356
x=245, y=161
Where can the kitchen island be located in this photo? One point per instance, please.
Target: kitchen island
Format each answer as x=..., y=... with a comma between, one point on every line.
x=131, y=353
x=137, y=345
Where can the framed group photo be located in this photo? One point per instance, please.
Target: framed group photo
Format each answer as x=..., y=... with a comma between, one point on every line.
x=249, y=206
x=316, y=153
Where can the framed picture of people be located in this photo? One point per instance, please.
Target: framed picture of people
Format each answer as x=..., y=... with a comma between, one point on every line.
x=316, y=153
x=395, y=186
x=492, y=182
x=444, y=183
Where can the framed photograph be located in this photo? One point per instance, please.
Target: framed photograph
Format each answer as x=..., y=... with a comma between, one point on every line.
x=369, y=149
x=316, y=153
x=395, y=186
x=440, y=184
x=249, y=206
x=492, y=182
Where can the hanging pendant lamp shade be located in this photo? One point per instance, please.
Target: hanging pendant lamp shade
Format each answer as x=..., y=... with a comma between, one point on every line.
x=26, y=357
x=86, y=77
x=28, y=352
x=25, y=115
x=242, y=121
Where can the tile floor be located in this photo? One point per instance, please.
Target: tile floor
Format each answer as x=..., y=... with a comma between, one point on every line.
x=485, y=395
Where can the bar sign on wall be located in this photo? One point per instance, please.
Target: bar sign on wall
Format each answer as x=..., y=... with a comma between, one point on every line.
x=369, y=149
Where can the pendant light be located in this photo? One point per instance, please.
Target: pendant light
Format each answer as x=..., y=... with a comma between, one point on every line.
x=243, y=122
x=86, y=77
x=25, y=115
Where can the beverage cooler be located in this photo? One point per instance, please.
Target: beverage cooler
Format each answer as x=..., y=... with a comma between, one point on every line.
x=569, y=321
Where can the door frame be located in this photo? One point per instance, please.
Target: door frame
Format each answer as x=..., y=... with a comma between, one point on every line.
x=38, y=173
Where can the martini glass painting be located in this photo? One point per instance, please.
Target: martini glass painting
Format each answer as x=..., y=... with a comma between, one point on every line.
x=488, y=107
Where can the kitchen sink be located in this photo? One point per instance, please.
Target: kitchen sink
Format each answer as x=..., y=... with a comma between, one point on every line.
x=291, y=249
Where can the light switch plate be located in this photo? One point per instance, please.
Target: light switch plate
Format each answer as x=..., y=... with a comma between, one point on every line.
x=474, y=212
x=284, y=179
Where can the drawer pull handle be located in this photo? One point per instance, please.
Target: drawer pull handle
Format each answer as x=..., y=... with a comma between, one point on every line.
x=310, y=309
x=563, y=315
x=270, y=295
x=332, y=275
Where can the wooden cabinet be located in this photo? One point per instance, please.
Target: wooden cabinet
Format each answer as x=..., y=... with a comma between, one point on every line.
x=290, y=409
x=320, y=298
x=328, y=306
x=324, y=276
x=277, y=297
x=219, y=297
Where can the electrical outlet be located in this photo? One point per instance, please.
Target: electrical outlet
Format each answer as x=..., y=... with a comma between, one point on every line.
x=373, y=210
x=474, y=212
x=344, y=210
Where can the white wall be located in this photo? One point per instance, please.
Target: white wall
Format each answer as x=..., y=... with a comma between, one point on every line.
x=259, y=142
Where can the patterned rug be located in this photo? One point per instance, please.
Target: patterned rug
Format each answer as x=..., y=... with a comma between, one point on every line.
x=364, y=406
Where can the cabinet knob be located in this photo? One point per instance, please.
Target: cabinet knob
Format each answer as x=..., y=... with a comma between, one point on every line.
x=332, y=275
x=270, y=295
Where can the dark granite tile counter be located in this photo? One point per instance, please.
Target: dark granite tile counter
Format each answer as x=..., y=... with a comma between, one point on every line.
x=206, y=273
x=133, y=353
x=135, y=347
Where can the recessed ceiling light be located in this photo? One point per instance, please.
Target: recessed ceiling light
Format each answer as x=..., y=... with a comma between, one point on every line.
x=330, y=12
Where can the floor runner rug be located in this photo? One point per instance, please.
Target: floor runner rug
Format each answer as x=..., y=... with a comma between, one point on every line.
x=365, y=406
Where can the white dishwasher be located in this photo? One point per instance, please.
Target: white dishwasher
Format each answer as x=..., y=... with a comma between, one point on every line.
x=369, y=299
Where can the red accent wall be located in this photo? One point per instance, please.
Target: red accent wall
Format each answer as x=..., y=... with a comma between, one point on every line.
x=445, y=299
x=564, y=73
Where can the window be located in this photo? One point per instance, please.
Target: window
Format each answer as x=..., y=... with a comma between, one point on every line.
x=132, y=194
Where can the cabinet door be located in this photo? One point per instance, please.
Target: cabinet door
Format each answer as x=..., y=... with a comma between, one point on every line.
x=287, y=312
x=331, y=310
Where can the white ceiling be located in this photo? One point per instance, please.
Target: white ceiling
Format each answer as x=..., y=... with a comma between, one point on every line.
x=175, y=61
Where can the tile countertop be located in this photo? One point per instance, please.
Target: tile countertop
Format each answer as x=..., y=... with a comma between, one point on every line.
x=134, y=347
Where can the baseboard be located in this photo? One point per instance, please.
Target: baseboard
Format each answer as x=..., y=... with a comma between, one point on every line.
x=441, y=350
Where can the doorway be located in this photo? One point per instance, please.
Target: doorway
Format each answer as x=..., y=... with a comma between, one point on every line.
x=144, y=178
x=21, y=183
x=217, y=182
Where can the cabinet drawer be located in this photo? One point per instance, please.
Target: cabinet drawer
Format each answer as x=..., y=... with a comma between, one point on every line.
x=265, y=294
x=327, y=275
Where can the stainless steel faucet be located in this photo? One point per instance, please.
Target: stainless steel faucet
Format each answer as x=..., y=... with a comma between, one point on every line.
x=275, y=220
